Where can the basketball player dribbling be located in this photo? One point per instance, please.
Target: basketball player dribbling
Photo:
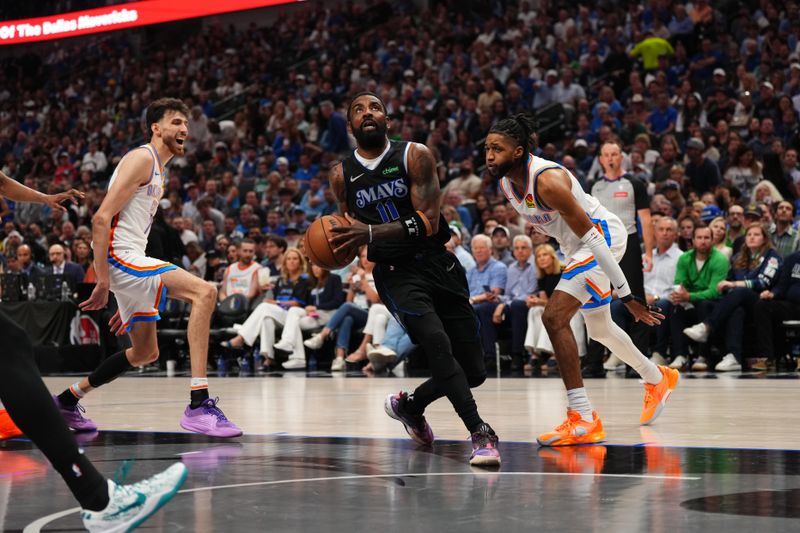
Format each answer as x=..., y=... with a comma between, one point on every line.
x=593, y=240
x=140, y=283
x=105, y=506
x=390, y=192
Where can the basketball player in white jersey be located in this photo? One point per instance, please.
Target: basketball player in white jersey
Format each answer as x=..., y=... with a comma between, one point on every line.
x=242, y=276
x=140, y=283
x=593, y=240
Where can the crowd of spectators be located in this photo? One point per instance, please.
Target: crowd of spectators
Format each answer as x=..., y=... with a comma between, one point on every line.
x=702, y=98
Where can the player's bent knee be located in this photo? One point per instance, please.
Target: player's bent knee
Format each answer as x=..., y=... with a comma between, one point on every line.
x=553, y=320
x=205, y=294
x=476, y=381
x=144, y=357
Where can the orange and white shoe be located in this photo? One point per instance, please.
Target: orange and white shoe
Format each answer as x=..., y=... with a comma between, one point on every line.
x=574, y=430
x=655, y=396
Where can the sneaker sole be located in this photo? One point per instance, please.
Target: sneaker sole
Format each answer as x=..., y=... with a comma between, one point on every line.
x=209, y=433
x=484, y=460
x=592, y=438
x=162, y=500
x=387, y=407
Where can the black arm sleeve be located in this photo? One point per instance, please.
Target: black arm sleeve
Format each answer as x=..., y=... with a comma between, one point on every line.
x=640, y=199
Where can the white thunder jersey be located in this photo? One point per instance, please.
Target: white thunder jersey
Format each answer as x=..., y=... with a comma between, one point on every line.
x=135, y=278
x=131, y=226
x=580, y=260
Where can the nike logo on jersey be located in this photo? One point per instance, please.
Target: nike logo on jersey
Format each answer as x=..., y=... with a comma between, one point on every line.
x=354, y=178
x=451, y=267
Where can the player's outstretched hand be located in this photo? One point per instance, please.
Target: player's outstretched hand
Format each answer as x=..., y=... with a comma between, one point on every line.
x=97, y=300
x=116, y=325
x=641, y=311
x=349, y=237
x=55, y=200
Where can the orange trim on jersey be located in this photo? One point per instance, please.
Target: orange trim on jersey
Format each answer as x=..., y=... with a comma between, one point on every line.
x=114, y=223
x=158, y=292
x=127, y=324
x=597, y=289
x=582, y=263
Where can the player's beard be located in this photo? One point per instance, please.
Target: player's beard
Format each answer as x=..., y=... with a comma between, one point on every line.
x=502, y=170
x=174, y=147
x=371, y=140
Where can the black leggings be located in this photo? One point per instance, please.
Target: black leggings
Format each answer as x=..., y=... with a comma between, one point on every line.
x=33, y=410
x=456, y=366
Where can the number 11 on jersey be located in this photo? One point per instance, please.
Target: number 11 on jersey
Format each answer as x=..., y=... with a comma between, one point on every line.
x=387, y=211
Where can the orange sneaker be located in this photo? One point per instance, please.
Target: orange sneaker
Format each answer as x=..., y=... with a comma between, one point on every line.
x=655, y=396
x=574, y=430
x=8, y=429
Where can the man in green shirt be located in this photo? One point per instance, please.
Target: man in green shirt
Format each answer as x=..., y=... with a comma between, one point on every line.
x=696, y=277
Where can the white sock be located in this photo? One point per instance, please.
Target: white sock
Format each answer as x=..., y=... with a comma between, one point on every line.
x=76, y=390
x=602, y=329
x=579, y=401
x=199, y=383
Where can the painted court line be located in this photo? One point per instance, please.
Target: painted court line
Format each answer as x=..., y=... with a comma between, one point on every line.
x=37, y=525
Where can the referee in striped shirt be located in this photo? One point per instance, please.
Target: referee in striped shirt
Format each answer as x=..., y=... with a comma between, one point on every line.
x=626, y=197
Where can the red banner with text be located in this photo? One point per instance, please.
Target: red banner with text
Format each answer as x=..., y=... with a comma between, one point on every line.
x=119, y=17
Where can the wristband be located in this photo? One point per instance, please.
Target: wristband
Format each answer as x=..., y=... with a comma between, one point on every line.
x=417, y=225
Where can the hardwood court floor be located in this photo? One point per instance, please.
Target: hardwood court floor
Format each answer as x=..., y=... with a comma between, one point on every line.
x=319, y=455
x=714, y=410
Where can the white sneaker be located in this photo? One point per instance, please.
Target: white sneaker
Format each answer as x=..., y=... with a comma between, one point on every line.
x=130, y=505
x=698, y=332
x=700, y=364
x=678, y=363
x=658, y=359
x=613, y=363
x=728, y=364
x=284, y=346
x=338, y=364
x=315, y=342
x=381, y=357
x=294, y=364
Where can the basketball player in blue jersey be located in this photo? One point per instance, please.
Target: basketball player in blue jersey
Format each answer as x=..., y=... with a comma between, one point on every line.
x=593, y=240
x=140, y=283
x=390, y=192
x=105, y=506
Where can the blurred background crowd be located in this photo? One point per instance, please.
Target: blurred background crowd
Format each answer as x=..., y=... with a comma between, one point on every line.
x=701, y=98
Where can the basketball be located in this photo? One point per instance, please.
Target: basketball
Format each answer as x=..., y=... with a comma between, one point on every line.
x=319, y=249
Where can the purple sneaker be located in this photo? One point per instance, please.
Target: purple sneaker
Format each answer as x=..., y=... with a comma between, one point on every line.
x=416, y=425
x=74, y=418
x=484, y=447
x=209, y=419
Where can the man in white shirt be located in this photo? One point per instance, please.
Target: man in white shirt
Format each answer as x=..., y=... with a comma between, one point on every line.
x=242, y=276
x=94, y=160
x=660, y=281
x=567, y=92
